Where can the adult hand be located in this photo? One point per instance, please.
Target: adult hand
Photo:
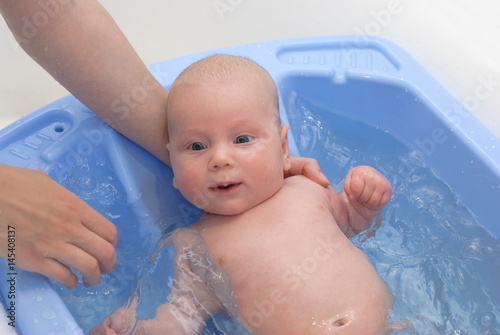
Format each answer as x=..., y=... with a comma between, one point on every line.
x=308, y=167
x=53, y=227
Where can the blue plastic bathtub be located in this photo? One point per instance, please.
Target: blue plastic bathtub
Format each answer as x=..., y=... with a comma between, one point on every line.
x=369, y=79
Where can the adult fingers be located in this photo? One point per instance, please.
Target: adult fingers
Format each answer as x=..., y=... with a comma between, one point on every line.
x=92, y=236
x=98, y=249
x=100, y=240
x=98, y=224
x=55, y=270
x=54, y=266
x=308, y=167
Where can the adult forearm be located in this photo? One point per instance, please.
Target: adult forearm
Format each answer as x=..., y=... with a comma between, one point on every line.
x=80, y=45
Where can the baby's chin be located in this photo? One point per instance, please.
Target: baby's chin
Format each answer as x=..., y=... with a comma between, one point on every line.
x=230, y=209
x=233, y=205
x=227, y=211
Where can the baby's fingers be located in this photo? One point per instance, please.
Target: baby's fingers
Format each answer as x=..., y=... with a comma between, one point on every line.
x=355, y=184
x=365, y=192
x=367, y=186
x=386, y=195
x=376, y=197
x=120, y=322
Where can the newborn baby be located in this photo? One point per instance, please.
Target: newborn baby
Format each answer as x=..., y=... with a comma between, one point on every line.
x=272, y=251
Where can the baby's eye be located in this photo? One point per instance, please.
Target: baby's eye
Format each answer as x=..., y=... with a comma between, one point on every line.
x=243, y=139
x=196, y=146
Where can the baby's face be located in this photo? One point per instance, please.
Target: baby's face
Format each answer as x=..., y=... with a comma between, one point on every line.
x=227, y=149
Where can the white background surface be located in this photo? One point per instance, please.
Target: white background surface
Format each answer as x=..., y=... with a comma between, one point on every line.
x=457, y=41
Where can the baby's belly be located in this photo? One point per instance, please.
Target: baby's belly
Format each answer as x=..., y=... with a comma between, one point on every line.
x=320, y=290
x=304, y=285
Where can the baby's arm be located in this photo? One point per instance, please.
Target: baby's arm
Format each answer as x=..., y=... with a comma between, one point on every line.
x=179, y=317
x=366, y=192
x=192, y=301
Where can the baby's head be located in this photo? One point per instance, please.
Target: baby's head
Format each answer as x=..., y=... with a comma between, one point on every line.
x=227, y=148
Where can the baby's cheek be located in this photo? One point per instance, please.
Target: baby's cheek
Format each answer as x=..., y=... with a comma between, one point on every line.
x=193, y=188
x=269, y=177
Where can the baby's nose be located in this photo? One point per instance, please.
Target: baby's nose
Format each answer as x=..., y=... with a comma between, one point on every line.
x=221, y=158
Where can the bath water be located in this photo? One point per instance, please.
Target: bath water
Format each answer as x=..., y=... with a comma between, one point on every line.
x=440, y=264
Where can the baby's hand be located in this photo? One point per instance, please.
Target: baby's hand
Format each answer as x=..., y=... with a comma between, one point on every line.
x=120, y=322
x=367, y=191
x=367, y=186
x=169, y=319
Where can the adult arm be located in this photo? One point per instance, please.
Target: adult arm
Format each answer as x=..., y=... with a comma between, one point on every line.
x=81, y=46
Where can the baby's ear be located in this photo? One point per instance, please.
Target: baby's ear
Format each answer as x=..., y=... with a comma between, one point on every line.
x=287, y=165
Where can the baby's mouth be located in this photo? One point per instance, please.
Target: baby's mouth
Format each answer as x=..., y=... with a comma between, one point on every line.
x=225, y=188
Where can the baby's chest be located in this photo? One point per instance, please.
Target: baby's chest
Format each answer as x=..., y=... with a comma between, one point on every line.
x=271, y=245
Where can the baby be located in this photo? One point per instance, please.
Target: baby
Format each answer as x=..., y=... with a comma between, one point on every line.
x=272, y=251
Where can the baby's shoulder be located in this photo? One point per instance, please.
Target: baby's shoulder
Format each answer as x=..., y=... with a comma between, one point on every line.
x=302, y=183
x=184, y=238
x=301, y=187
